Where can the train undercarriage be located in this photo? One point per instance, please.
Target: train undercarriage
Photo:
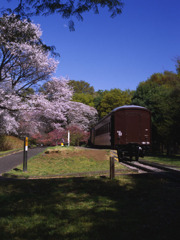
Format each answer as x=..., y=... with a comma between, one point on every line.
x=132, y=151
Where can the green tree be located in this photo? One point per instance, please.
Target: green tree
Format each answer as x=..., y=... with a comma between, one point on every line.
x=159, y=94
x=87, y=99
x=178, y=66
x=81, y=87
x=112, y=99
x=66, y=8
x=175, y=111
x=168, y=79
x=83, y=92
x=98, y=96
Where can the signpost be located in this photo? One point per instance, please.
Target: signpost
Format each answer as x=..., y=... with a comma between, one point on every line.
x=25, y=154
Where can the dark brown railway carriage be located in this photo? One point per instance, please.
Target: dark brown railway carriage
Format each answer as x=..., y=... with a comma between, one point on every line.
x=127, y=129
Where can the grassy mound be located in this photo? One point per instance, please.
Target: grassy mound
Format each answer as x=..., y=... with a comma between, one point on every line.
x=66, y=160
x=10, y=143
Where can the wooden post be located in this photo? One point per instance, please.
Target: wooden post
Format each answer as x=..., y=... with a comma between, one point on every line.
x=112, y=172
x=25, y=154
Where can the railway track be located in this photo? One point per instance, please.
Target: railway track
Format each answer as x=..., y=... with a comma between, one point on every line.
x=154, y=168
x=142, y=166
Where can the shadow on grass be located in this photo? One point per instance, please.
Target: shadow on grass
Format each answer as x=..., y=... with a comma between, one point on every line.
x=131, y=207
x=165, y=157
x=17, y=169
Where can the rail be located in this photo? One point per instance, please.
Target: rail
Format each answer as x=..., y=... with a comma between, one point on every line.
x=149, y=167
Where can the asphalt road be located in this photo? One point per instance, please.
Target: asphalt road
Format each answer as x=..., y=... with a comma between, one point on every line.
x=11, y=161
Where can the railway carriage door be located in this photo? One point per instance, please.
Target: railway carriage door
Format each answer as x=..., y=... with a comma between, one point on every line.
x=133, y=129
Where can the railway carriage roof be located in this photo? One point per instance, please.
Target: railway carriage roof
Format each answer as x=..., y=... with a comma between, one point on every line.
x=128, y=106
x=122, y=107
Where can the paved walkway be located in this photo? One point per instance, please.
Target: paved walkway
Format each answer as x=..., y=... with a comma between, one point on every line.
x=11, y=161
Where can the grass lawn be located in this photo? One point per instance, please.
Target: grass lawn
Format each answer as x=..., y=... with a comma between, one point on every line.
x=65, y=160
x=141, y=207
x=5, y=153
x=170, y=161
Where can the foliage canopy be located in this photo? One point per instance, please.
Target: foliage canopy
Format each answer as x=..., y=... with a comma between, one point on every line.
x=66, y=8
x=112, y=99
x=161, y=95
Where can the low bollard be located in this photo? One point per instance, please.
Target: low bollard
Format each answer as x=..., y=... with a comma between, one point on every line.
x=112, y=172
x=25, y=154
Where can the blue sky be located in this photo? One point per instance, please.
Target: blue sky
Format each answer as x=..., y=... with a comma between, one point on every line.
x=119, y=52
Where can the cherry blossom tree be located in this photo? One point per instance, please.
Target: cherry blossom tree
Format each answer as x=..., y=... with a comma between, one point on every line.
x=63, y=111
x=82, y=115
x=41, y=139
x=78, y=135
x=48, y=109
x=10, y=106
x=57, y=136
x=8, y=123
x=24, y=62
x=57, y=97
x=24, y=59
x=53, y=109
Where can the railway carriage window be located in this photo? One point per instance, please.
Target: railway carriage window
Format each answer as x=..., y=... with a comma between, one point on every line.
x=102, y=130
